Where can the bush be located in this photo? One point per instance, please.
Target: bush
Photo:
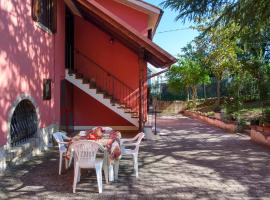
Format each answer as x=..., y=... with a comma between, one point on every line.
x=210, y=114
x=255, y=122
x=191, y=105
x=233, y=106
x=217, y=109
x=241, y=124
x=266, y=117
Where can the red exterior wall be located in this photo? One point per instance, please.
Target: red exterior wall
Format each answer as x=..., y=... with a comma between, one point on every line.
x=135, y=18
x=27, y=56
x=88, y=111
x=115, y=58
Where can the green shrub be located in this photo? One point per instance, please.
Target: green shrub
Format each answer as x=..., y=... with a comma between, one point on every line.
x=241, y=124
x=233, y=106
x=210, y=114
x=191, y=105
x=266, y=117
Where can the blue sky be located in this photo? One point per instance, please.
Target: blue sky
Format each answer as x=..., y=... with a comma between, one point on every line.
x=175, y=40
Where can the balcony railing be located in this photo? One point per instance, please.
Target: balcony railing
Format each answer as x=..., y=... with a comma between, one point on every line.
x=106, y=83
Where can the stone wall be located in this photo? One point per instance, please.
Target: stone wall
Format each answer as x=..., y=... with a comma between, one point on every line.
x=34, y=146
x=171, y=107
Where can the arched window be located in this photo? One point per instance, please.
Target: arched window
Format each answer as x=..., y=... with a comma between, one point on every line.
x=24, y=122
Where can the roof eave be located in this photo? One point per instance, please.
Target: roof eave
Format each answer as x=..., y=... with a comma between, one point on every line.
x=125, y=33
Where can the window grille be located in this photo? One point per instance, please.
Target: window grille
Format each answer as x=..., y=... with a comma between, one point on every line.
x=44, y=12
x=24, y=123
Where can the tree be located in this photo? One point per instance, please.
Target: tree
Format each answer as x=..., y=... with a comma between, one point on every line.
x=245, y=13
x=221, y=50
x=256, y=56
x=188, y=73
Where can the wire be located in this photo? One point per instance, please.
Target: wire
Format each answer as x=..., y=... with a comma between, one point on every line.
x=173, y=30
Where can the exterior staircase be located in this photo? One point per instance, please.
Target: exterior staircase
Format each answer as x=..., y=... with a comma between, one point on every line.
x=121, y=104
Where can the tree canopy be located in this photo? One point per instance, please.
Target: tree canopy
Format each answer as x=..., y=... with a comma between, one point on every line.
x=189, y=72
x=243, y=12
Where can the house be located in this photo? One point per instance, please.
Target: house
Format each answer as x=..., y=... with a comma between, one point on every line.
x=73, y=64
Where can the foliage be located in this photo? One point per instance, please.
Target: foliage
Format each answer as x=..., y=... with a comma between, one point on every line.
x=267, y=115
x=191, y=105
x=234, y=45
x=248, y=13
x=221, y=52
x=210, y=114
x=188, y=73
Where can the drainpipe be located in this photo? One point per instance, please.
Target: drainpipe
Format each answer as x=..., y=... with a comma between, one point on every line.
x=141, y=88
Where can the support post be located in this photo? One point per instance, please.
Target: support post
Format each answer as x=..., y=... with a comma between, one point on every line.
x=141, y=88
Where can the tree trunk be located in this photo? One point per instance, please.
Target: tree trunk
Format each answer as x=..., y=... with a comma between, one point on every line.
x=218, y=92
x=187, y=94
x=204, y=91
x=194, y=93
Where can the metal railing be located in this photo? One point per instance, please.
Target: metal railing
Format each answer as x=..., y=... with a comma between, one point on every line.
x=106, y=83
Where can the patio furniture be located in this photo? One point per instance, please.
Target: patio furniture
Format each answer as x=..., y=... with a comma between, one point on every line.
x=62, y=146
x=85, y=157
x=134, y=143
x=111, y=154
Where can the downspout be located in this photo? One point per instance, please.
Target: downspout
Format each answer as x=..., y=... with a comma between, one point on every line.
x=141, y=88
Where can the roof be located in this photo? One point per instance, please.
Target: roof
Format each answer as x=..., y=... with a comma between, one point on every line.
x=154, y=12
x=120, y=30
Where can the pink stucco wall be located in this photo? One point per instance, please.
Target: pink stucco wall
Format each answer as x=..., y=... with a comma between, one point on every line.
x=133, y=17
x=27, y=56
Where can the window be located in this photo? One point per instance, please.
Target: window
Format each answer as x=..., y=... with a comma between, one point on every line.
x=24, y=123
x=44, y=12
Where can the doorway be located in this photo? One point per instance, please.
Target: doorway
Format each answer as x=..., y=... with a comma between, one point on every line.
x=69, y=55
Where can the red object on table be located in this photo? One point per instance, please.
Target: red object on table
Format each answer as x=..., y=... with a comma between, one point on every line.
x=92, y=137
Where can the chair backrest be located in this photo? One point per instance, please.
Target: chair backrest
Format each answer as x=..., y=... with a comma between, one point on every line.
x=107, y=129
x=59, y=137
x=139, y=138
x=85, y=153
x=135, y=141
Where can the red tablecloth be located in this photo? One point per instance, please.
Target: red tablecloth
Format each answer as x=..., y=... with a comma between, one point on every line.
x=109, y=140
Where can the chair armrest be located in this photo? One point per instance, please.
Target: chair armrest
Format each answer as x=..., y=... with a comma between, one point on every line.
x=130, y=144
x=66, y=137
x=126, y=140
x=63, y=142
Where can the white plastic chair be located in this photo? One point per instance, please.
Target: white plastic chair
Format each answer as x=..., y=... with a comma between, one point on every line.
x=62, y=146
x=135, y=143
x=85, y=157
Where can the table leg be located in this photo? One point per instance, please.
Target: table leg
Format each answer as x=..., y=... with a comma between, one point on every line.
x=116, y=169
x=106, y=166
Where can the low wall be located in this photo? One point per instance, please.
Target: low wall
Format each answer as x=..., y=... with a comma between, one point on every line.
x=171, y=107
x=231, y=127
x=21, y=153
x=260, y=135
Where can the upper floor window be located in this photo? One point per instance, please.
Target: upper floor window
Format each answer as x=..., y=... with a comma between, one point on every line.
x=44, y=12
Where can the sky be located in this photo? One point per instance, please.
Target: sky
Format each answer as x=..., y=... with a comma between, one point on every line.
x=172, y=41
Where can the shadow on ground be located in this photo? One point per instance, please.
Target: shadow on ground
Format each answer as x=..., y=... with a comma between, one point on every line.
x=191, y=161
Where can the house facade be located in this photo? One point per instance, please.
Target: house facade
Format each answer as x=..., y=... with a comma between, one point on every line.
x=72, y=65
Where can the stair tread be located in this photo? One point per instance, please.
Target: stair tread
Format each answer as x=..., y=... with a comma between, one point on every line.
x=105, y=94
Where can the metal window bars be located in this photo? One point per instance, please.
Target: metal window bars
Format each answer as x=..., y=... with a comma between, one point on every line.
x=24, y=123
